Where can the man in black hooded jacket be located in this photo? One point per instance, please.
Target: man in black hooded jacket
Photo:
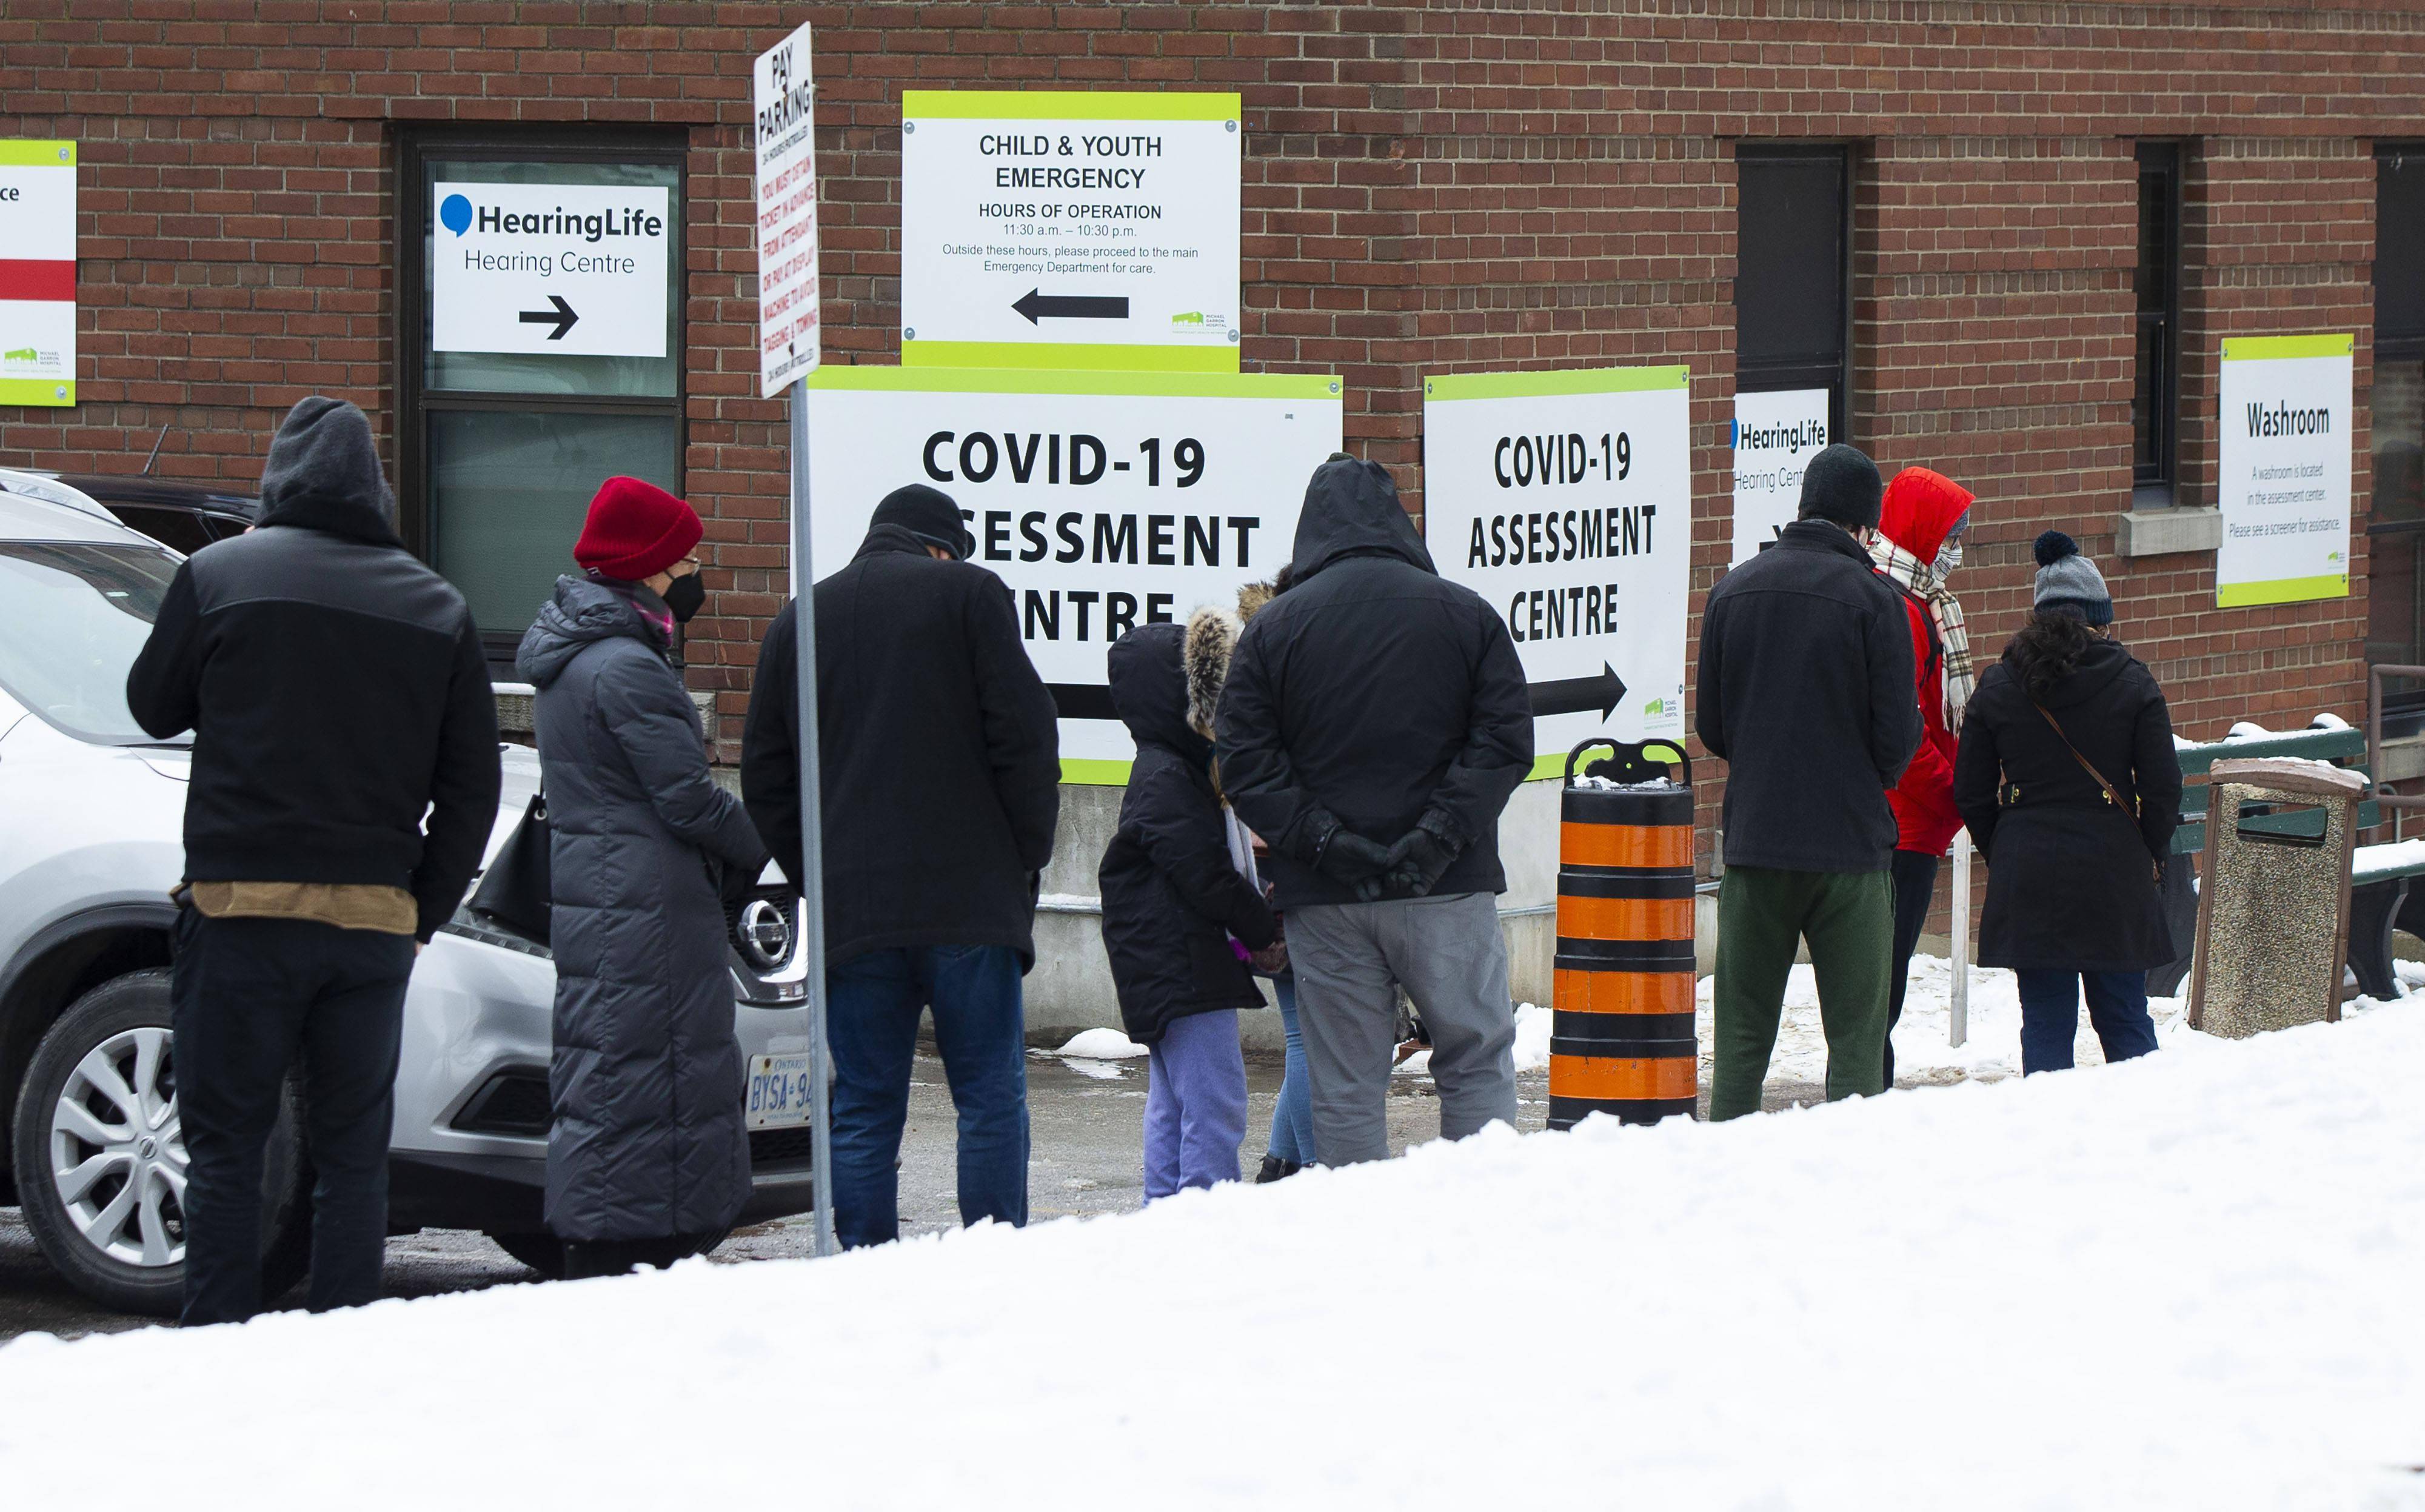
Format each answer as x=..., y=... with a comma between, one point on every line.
x=940, y=763
x=1374, y=724
x=337, y=693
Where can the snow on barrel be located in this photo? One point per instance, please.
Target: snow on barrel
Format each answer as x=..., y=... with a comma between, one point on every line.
x=1622, y=1040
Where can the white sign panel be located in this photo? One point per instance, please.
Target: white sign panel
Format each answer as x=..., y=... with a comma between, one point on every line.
x=550, y=269
x=1104, y=501
x=2284, y=470
x=38, y=272
x=1775, y=435
x=1103, y=225
x=1565, y=500
x=784, y=98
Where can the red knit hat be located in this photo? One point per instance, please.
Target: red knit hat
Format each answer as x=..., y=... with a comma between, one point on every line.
x=636, y=530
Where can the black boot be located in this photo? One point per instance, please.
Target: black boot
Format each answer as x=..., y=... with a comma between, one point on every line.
x=1275, y=1168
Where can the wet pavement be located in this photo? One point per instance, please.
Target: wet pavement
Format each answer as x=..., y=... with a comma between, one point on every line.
x=1086, y=1120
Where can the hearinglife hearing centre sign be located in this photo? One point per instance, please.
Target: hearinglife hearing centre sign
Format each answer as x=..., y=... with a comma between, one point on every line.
x=550, y=270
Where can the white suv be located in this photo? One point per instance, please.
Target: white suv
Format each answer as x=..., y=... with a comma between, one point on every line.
x=91, y=825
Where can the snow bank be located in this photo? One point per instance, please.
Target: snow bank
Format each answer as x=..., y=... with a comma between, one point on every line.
x=1103, y=1044
x=2190, y=1281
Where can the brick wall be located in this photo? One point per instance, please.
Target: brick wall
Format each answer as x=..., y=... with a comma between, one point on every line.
x=1426, y=187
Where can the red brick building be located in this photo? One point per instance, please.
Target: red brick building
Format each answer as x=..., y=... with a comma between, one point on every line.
x=1427, y=189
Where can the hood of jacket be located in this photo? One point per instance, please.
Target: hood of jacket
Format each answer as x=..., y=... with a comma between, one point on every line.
x=584, y=610
x=1352, y=510
x=1150, y=690
x=323, y=473
x=889, y=540
x=1212, y=636
x=1921, y=508
x=2103, y=661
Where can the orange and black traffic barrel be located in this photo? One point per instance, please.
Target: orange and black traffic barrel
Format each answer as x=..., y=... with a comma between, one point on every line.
x=1622, y=1041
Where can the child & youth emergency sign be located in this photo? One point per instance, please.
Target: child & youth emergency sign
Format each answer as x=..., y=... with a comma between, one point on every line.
x=1103, y=501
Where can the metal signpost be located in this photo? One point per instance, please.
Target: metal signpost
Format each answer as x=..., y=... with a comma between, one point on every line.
x=1958, y=1021
x=789, y=338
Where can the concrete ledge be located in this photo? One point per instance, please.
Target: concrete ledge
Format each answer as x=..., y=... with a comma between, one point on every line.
x=2164, y=532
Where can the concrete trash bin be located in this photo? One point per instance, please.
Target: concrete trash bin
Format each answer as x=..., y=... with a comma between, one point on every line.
x=2274, y=909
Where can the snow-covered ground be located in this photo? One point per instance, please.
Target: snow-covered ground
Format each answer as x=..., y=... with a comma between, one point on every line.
x=2196, y=1280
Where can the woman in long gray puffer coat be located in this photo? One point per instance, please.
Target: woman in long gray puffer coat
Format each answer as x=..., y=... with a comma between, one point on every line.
x=648, y=1159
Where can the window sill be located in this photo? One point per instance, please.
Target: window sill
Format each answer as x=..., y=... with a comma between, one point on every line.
x=2166, y=532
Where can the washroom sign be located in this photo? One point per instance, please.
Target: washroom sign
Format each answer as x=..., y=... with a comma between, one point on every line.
x=38, y=272
x=1103, y=501
x=548, y=269
x=1070, y=229
x=2284, y=469
x=1565, y=500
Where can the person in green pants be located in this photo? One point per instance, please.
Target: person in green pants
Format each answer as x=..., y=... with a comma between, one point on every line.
x=1807, y=694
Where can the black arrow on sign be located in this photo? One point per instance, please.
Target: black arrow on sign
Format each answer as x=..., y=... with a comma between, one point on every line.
x=1035, y=306
x=561, y=317
x=1082, y=700
x=1580, y=695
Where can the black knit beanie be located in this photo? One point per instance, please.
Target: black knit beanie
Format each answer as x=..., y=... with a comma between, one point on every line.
x=929, y=514
x=1842, y=484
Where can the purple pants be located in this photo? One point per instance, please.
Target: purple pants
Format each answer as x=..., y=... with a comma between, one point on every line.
x=1195, y=1104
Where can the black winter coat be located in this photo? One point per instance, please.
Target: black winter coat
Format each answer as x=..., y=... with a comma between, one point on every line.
x=1172, y=897
x=646, y=1079
x=1373, y=694
x=2070, y=878
x=336, y=690
x=1807, y=694
x=940, y=751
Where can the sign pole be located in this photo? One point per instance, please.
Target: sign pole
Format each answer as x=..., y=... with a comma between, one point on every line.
x=813, y=825
x=1958, y=1015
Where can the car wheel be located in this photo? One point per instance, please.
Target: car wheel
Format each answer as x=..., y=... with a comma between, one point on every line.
x=541, y=1252
x=101, y=1155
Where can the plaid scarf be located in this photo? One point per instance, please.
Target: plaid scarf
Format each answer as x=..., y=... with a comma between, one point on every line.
x=1920, y=579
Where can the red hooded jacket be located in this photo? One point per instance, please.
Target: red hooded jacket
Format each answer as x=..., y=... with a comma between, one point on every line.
x=1920, y=508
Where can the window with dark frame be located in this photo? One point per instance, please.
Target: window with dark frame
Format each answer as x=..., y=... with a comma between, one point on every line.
x=498, y=454
x=2395, y=523
x=2156, y=389
x=1793, y=273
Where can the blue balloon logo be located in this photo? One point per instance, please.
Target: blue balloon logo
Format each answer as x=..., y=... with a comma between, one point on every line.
x=456, y=214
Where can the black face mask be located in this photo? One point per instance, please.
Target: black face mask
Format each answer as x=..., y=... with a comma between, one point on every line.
x=684, y=595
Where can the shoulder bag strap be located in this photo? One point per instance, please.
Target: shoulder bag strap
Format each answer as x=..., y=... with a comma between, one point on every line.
x=2103, y=786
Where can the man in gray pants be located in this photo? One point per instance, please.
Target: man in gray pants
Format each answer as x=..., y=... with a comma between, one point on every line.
x=1374, y=724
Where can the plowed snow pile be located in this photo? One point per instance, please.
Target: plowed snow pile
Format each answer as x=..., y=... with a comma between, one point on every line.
x=2195, y=1281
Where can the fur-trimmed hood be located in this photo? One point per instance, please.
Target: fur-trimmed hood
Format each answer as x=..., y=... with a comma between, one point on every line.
x=1212, y=636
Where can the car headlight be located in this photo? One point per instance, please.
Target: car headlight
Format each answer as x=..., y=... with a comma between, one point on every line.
x=763, y=934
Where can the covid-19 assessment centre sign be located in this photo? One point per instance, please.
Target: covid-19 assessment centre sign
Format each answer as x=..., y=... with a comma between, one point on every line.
x=1070, y=229
x=1565, y=500
x=1104, y=501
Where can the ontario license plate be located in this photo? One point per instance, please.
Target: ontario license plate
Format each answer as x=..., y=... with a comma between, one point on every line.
x=779, y=1091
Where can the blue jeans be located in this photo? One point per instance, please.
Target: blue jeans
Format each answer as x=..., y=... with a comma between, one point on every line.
x=1292, y=1115
x=2117, y=1009
x=1195, y=1104
x=872, y=1004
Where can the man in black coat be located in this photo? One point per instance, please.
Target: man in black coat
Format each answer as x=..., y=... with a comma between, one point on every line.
x=940, y=764
x=1374, y=724
x=337, y=693
x=1807, y=694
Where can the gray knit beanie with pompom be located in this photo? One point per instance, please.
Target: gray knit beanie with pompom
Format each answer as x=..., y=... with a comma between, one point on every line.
x=2069, y=583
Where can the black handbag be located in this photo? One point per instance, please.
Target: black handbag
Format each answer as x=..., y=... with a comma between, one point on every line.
x=516, y=892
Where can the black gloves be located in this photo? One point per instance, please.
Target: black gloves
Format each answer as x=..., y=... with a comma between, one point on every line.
x=1349, y=858
x=1416, y=863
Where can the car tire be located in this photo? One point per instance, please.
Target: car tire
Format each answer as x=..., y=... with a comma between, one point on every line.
x=541, y=1252
x=129, y=1256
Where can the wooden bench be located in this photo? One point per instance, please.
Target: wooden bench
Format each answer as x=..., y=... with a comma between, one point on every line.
x=2382, y=874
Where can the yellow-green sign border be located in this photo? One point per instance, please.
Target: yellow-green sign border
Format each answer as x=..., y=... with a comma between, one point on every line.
x=1555, y=381
x=1111, y=385
x=45, y=391
x=2282, y=590
x=1069, y=105
x=2271, y=348
x=25, y=154
x=1089, y=356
